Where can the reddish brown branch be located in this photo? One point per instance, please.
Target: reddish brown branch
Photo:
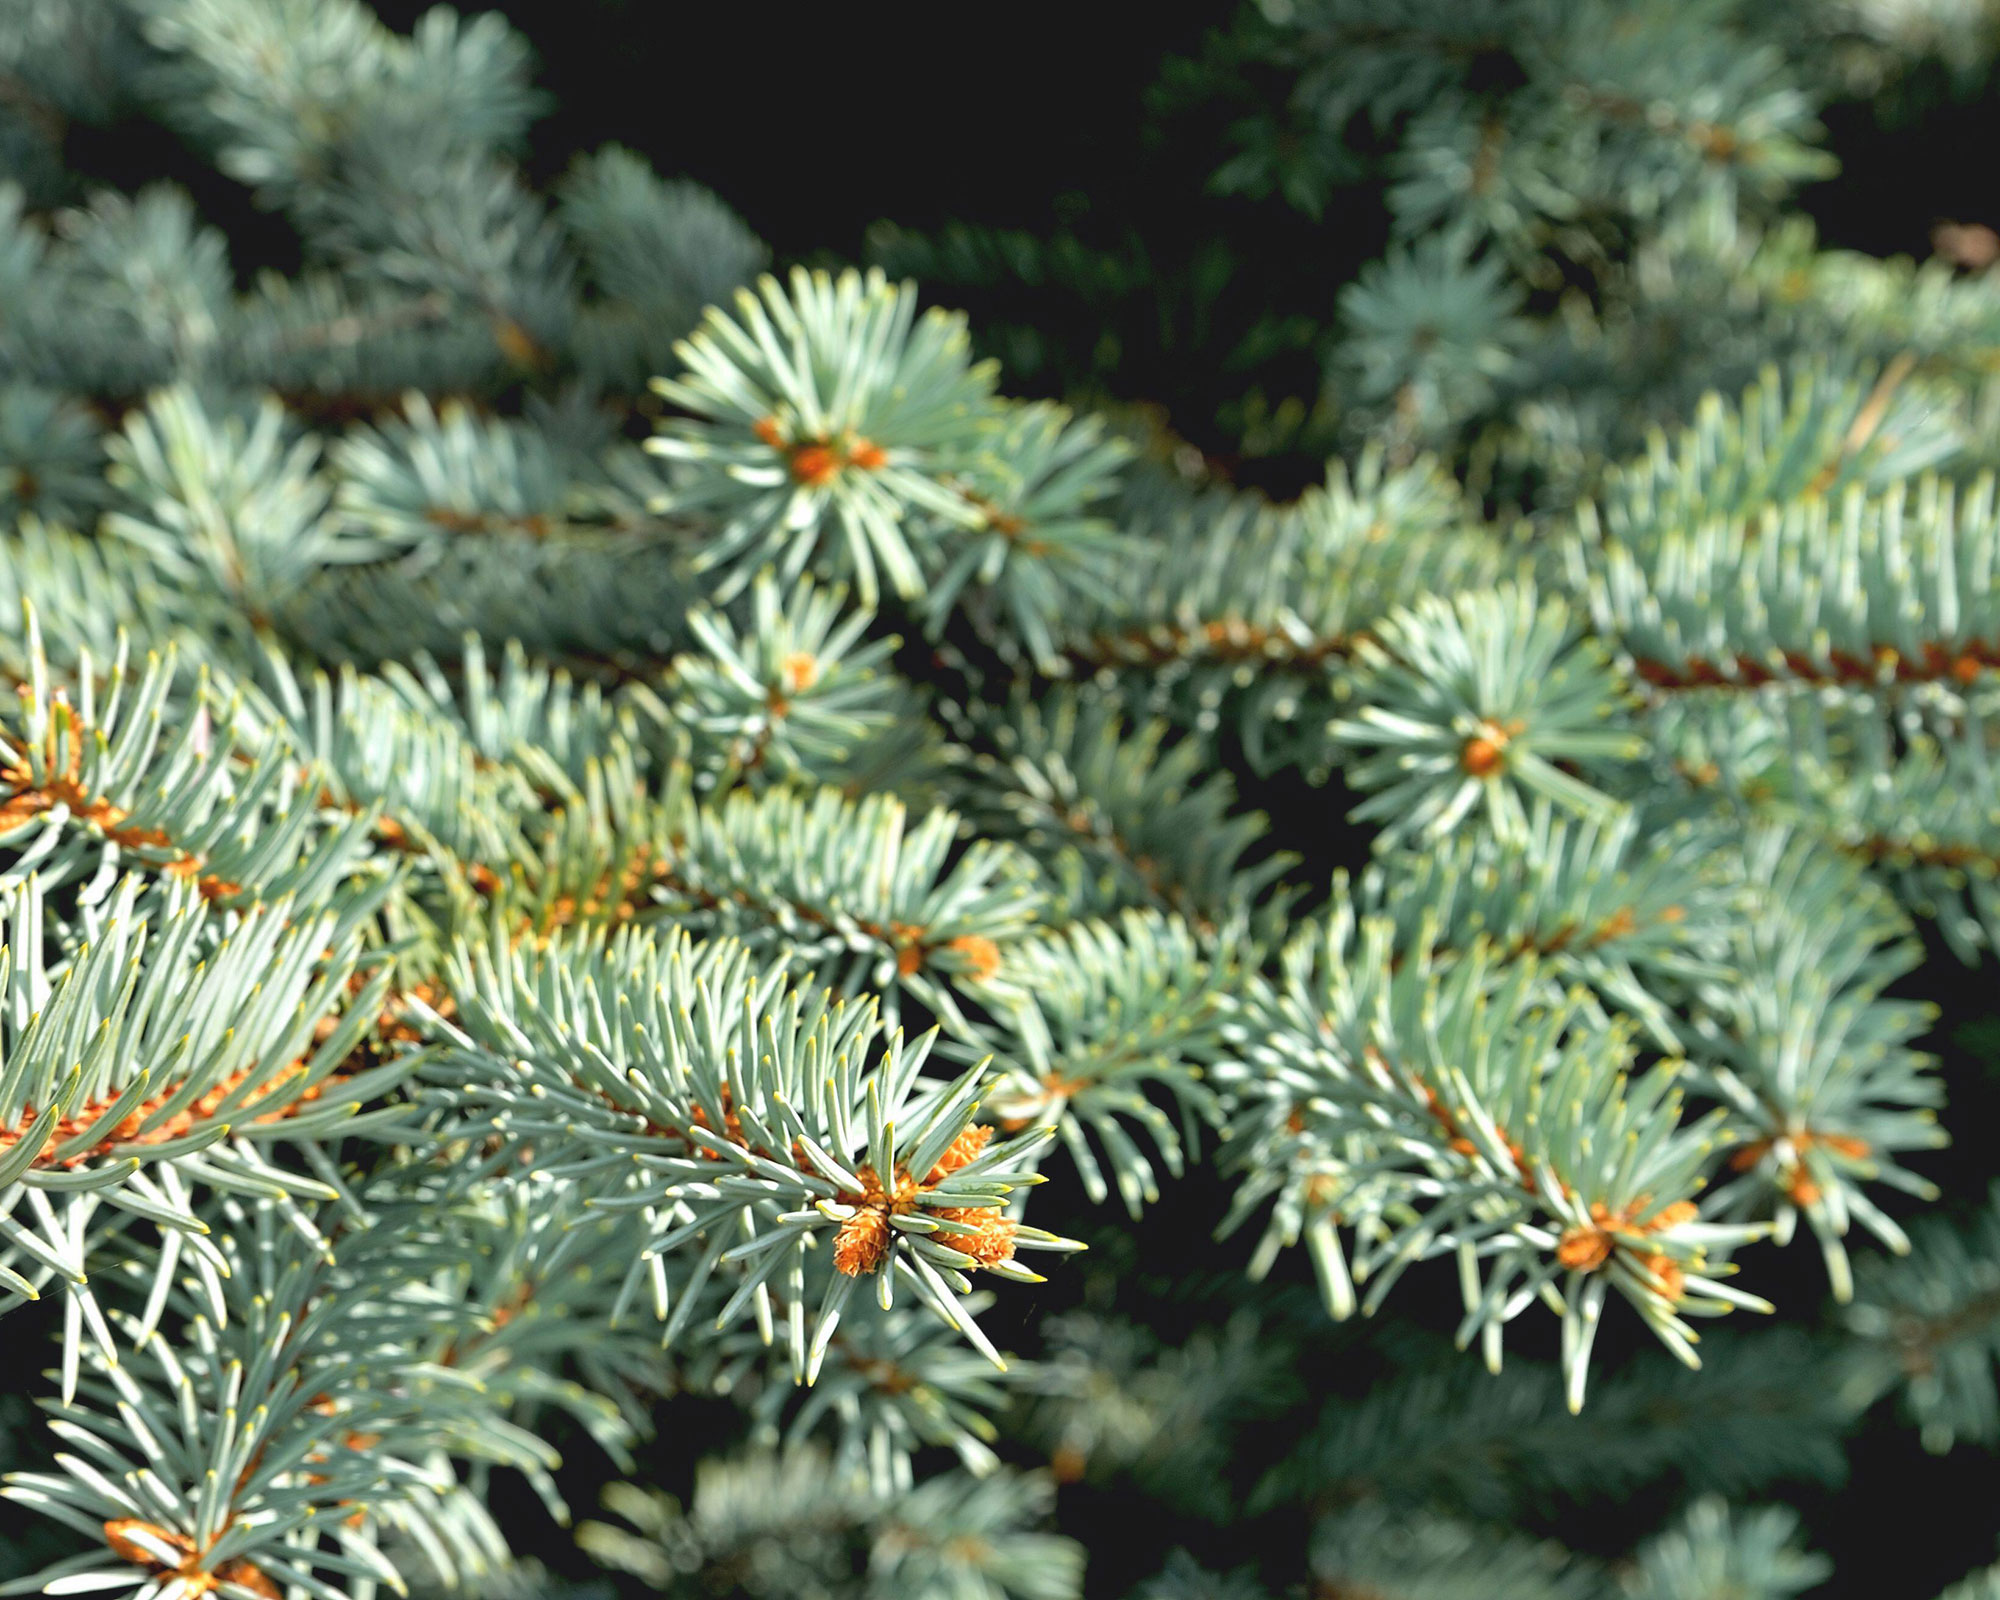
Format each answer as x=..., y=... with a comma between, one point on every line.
x=1227, y=639
x=1879, y=847
x=1883, y=664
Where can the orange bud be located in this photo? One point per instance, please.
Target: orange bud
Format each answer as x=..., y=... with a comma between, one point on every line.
x=1584, y=1249
x=118, y=1534
x=1616, y=926
x=1743, y=1159
x=517, y=344
x=1668, y=1275
x=862, y=1242
x=800, y=671
x=867, y=456
x=982, y=955
x=962, y=1150
x=1481, y=757
x=815, y=465
x=249, y=1577
x=993, y=1242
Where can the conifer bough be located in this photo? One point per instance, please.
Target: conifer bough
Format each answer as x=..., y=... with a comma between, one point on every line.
x=494, y=931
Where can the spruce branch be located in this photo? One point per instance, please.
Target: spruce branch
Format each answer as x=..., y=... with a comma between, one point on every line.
x=252, y=1454
x=432, y=475
x=1982, y=1585
x=238, y=504
x=529, y=714
x=1635, y=907
x=1927, y=1325
x=1487, y=703
x=785, y=1523
x=1040, y=537
x=498, y=946
x=855, y=892
x=1111, y=1010
x=1910, y=795
x=1116, y=815
x=1111, y=1402
x=1458, y=1109
x=1811, y=1058
x=1261, y=603
x=746, y=1121
x=1794, y=434
x=1431, y=333
x=825, y=407
x=789, y=697
x=161, y=1056
x=1715, y=1552
x=656, y=252
x=134, y=772
x=1766, y=1409
x=1369, y=1550
x=1182, y=1579
x=889, y=1385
